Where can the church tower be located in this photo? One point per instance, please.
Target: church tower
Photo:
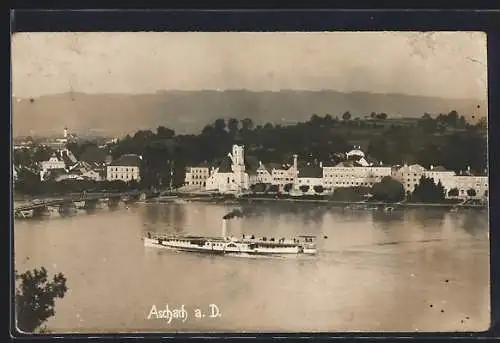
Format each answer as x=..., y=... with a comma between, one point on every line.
x=238, y=166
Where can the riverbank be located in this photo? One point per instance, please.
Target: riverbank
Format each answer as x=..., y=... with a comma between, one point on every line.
x=227, y=199
x=263, y=198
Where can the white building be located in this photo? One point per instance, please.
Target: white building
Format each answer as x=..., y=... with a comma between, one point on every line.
x=310, y=176
x=465, y=182
x=346, y=174
x=440, y=174
x=283, y=175
x=126, y=168
x=356, y=171
x=94, y=175
x=236, y=173
x=264, y=175
x=409, y=176
x=462, y=182
x=53, y=163
x=196, y=177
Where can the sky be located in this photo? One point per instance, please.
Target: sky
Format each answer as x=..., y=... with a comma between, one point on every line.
x=444, y=64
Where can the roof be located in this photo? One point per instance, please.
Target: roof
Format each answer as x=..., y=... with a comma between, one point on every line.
x=63, y=156
x=329, y=164
x=251, y=164
x=311, y=172
x=344, y=164
x=93, y=155
x=439, y=168
x=272, y=165
x=225, y=165
x=356, y=152
x=130, y=160
x=202, y=165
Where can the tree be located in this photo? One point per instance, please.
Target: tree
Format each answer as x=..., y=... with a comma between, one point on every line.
x=428, y=191
x=453, y=192
x=452, y=118
x=346, y=116
x=373, y=115
x=350, y=193
x=471, y=192
x=247, y=124
x=388, y=190
x=304, y=188
x=42, y=153
x=288, y=187
x=220, y=125
x=258, y=187
x=382, y=116
x=35, y=297
x=164, y=133
x=273, y=188
x=318, y=189
x=233, y=126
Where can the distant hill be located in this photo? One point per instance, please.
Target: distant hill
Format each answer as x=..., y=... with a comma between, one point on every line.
x=189, y=111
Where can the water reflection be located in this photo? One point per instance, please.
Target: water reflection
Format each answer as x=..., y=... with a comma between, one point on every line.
x=429, y=217
x=472, y=223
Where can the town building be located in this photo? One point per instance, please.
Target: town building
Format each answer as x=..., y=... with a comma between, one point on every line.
x=264, y=175
x=309, y=177
x=464, y=183
x=441, y=174
x=235, y=174
x=126, y=168
x=283, y=175
x=356, y=171
x=196, y=177
x=408, y=175
x=92, y=164
x=60, y=160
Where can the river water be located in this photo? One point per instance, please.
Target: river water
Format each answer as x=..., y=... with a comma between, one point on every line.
x=407, y=270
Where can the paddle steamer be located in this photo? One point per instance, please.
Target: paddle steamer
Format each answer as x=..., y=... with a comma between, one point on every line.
x=228, y=245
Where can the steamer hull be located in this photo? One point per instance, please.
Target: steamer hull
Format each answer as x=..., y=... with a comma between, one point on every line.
x=219, y=246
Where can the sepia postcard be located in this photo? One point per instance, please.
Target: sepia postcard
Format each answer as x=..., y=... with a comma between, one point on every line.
x=237, y=182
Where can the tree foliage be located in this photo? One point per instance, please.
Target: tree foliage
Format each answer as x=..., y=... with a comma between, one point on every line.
x=318, y=189
x=427, y=191
x=346, y=116
x=471, y=192
x=258, y=187
x=388, y=190
x=453, y=192
x=273, y=188
x=35, y=298
x=304, y=188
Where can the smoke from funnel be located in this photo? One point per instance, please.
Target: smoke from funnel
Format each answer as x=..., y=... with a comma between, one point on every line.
x=237, y=213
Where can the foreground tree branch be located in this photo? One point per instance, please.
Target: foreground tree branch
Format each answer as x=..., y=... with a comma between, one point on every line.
x=35, y=298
